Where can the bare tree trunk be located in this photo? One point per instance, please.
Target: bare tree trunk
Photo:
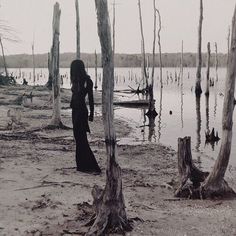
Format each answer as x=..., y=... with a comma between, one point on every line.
x=208, y=69
x=34, y=76
x=4, y=59
x=143, y=44
x=199, y=123
x=159, y=44
x=182, y=84
x=109, y=203
x=96, y=71
x=207, y=115
x=77, y=30
x=198, y=89
x=49, y=82
x=114, y=29
x=152, y=111
x=216, y=61
x=56, y=117
x=154, y=43
x=215, y=183
x=228, y=44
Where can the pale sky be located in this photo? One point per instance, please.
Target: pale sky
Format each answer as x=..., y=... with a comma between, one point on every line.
x=179, y=21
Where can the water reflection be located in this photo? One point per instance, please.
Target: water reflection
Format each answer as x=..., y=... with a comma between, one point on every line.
x=199, y=123
x=182, y=102
x=151, y=133
x=207, y=114
x=159, y=118
x=215, y=102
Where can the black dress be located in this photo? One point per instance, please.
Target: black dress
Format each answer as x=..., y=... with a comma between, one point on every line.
x=85, y=159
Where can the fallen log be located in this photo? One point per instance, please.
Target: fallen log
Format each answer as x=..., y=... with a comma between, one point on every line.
x=133, y=103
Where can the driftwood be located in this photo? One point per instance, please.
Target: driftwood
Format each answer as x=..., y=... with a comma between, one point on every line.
x=134, y=103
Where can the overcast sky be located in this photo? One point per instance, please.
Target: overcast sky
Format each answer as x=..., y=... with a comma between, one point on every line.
x=179, y=21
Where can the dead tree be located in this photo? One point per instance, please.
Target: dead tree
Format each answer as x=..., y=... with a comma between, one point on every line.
x=56, y=116
x=77, y=30
x=159, y=44
x=4, y=59
x=208, y=68
x=198, y=88
x=228, y=44
x=34, y=77
x=213, y=185
x=154, y=42
x=144, y=71
x=109, y=203
x=190, y=176
x=49, y=82
x=182, y=84
x=216, y=61
x=152, y=111
x=114, y=28
x=207, y=114
x=96, y=71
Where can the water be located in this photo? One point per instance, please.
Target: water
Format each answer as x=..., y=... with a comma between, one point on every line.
x=190, y=117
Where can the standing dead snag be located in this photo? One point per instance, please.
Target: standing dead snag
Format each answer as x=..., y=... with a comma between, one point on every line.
x=216, y=61
x=198, y=89
x=77, y=30
x=159, y=44
x=151, y=114
x=109, y=203
x=228, y=44
x=49, y=82
x=34, y=76
x=96, y=71
x=144, y=68
x=208, y=68
x=214, y=184
x=4, y=59
x=56, y=117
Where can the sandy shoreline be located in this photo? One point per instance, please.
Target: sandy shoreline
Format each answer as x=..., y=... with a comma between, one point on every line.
x=42, y=193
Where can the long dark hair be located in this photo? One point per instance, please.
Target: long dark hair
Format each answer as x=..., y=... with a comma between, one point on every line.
x=78, y=74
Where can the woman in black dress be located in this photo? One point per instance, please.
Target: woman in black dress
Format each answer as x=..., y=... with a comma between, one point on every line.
x=82, y=85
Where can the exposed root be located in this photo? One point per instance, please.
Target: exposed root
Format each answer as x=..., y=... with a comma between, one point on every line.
x=193, y=182
x=220, y=191
x=109, y=218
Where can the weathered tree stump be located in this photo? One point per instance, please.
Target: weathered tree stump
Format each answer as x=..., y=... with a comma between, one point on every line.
x=193, y=181
x=190, y=176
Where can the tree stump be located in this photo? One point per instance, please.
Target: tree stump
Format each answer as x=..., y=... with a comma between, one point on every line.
x=193, y=181
x=190, y=176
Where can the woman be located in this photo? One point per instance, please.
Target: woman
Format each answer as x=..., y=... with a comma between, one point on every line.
x=82, y=85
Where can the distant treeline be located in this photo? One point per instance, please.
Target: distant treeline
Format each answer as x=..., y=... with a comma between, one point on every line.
x=121, y=60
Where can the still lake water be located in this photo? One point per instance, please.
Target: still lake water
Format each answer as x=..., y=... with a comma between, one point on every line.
x=189, y=117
